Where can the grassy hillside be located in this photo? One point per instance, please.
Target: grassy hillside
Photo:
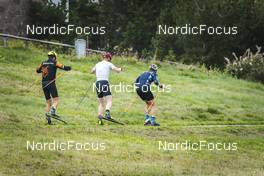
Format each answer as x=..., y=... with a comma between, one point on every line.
x=201, y=106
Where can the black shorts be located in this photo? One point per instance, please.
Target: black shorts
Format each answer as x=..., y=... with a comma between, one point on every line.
x=50, y=90
x=102, y=88
x=145, y=95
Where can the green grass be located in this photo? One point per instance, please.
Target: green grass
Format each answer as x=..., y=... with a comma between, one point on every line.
x=198, y=97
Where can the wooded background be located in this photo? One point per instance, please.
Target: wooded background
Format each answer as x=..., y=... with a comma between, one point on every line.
x=131, y=27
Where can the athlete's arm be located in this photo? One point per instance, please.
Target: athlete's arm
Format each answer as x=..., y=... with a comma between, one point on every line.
x=93, y=70
x=136, y=83
x=156, y=81
x=38, y=70
x=63, y=67
x=137, y=80
x=116, y=69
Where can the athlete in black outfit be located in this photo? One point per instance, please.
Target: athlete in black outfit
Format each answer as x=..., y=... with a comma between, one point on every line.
x=48, y=69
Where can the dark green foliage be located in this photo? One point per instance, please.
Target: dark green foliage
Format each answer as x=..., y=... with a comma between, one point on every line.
x=131, y=27
x=46, y=14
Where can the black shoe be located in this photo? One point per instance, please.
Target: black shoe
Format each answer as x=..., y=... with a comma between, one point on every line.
x=108, y=116
x=53, y=111
x=48, y=118
x=153, y=121
x=155, y=124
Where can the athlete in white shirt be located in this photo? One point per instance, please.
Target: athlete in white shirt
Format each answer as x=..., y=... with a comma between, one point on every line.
x=102, y=70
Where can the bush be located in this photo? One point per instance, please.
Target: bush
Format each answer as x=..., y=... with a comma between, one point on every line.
x=170, y=56
x=250, y=66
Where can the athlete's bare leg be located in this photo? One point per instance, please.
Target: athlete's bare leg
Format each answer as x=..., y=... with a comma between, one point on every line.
x=108, y=102
x=55, y=102
x=100, y=106
x=48, y=105
x=150, y=108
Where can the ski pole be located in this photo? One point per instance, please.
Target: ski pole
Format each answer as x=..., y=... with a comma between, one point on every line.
x=34, y=83
x=80, y=102
x=149, y=108
x=152, y=103
x=131, y=102
x=60, y=75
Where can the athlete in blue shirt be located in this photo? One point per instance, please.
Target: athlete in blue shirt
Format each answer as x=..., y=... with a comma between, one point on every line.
x=143, y=89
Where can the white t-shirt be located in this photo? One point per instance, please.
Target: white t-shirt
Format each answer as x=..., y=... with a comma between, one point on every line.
x=102, y=70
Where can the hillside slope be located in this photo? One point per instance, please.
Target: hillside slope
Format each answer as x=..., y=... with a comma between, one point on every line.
x=198, y=97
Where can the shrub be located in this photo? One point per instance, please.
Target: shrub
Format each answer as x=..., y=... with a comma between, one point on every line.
x=250, y=66
x=170, y=56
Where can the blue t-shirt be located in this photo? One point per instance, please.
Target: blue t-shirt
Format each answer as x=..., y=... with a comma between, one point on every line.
x=146, y=78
